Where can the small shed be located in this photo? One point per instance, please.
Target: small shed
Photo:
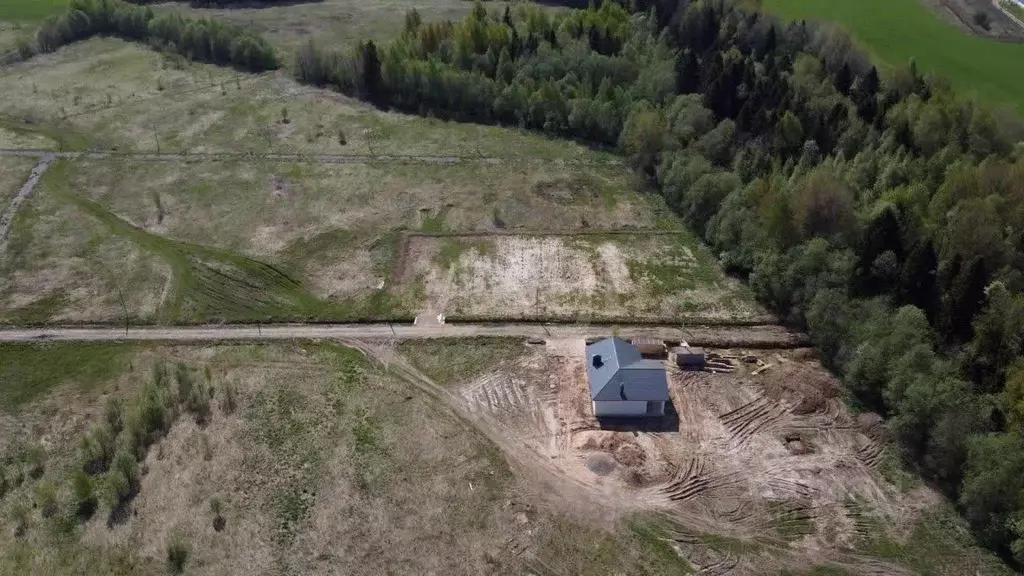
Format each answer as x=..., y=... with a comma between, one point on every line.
x=650, y=347
x=691, y=358
x=623, y=383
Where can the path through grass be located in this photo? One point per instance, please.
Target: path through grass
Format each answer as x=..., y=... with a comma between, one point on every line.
x=211, y=284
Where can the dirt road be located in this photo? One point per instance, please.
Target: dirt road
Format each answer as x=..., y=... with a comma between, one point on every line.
x=7, y=217
x=765, y=336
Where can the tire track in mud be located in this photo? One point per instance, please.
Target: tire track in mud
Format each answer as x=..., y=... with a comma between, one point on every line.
x=752, y=418
x=695, y=479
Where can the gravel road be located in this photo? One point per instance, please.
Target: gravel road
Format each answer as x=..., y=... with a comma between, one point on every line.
x=766, y=336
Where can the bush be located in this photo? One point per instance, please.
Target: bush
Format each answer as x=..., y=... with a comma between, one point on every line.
x=198, y=403
x=125, y=463
x=113, y=414
x=84, y=492
x=197, y=39
x=19, y=516
x=228, y=400
x=4, y=483
x=46, y=499
x=116, y=489
x=183, y=374
x=204, y=445
x=177, y=554
x=134, y=435
x=152, y=413
x=35, y=458
x=216, y=508
x=97, y=449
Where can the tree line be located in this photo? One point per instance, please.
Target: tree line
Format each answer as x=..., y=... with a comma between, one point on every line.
x=202, y=39
x=884, y=213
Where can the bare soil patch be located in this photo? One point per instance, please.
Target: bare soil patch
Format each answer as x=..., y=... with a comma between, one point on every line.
x=770, y=461
x=584, y=277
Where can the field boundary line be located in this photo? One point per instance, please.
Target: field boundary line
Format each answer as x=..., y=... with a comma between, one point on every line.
x=299, y=158
x=552, y=232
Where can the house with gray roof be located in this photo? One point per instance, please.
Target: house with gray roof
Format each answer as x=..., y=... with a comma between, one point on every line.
x=622, y=383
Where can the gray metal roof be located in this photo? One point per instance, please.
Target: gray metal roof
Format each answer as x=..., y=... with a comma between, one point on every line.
x=621, y=374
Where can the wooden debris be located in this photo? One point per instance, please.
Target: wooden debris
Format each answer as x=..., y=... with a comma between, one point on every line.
x=762, y=369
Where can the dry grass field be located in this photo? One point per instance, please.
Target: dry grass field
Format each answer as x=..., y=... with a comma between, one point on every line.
x=109, y=94
x=319, y=461
x=427, y=457
x=13, y=173
x=204, y=240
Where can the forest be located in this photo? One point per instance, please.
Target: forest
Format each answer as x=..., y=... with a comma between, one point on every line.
x=883, y=213
x=204, y=40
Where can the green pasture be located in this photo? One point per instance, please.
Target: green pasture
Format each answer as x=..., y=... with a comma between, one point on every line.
x=894, y=31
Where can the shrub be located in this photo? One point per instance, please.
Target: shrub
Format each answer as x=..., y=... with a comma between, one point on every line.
x=35, y=458
x=113, y=414
x=204, y=444
x=183, y=374
x=84, y=492
x=152, y=413
x=46, y=499
x=97, y=449
x=4, y=483
x=116, y=488
x=134, y=436
x=217, y=508
x=159, y=375
x=228, y=401
x=177, y=554
x=198, y=403
x=26, y=48
x=19, y=515
x=126, y=464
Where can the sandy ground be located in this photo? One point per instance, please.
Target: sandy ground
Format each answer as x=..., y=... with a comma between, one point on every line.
x=774, y=457
x=643, y=276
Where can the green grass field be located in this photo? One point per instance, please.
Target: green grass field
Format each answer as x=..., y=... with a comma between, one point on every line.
x=894, y=31
x=29, y=10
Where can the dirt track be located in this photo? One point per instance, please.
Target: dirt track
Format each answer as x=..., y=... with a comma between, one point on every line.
x=765, y=336
x=7, y=217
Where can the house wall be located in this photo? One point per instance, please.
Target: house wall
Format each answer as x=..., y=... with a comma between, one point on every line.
x=620, y=408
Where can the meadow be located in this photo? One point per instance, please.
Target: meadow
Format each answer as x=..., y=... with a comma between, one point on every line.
x=894, y=31
x=29, y=11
